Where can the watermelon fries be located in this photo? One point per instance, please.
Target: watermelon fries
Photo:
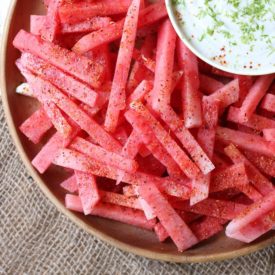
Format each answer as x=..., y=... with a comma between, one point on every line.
x=150, y=135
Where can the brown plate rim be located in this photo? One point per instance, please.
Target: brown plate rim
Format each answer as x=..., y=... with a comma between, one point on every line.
x=97, y=233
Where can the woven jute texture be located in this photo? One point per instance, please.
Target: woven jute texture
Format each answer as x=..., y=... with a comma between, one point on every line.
x=36, y=239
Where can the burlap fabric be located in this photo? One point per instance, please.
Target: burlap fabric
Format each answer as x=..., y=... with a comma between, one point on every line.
x=36, y=239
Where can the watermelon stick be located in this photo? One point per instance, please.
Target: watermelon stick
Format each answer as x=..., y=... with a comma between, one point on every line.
x=147, y=16
x=77, y=66
x=186, y=165
x=164, y=66
x=36, y=126
x=64, y=82
x=206, y=138
x=191, y=97
x=78, y=161
x=113, y=212
x=117, y=101
x=255, y=94
x=169, y=218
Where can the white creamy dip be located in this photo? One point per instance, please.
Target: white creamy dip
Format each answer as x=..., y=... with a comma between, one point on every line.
x=237, y=35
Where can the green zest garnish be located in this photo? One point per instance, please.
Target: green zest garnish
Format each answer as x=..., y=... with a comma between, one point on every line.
x=178, y=2
x=248, y=16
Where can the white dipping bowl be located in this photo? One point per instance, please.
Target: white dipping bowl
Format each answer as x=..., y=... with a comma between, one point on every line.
x=236, y=59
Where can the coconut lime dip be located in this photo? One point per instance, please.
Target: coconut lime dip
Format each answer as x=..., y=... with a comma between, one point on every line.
x=235, y=35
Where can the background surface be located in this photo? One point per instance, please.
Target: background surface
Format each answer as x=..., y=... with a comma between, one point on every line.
x=36, y=239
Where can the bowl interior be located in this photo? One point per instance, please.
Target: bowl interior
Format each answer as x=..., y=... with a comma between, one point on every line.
x=128, y=238
x=211, y=49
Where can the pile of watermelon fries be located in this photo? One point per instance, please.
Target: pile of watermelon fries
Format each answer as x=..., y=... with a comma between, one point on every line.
x=151, y=135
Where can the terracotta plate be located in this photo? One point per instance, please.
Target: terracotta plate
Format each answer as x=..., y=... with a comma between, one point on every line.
x=128, y=238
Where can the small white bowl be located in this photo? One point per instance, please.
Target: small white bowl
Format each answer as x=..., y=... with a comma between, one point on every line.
x=236, y=59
